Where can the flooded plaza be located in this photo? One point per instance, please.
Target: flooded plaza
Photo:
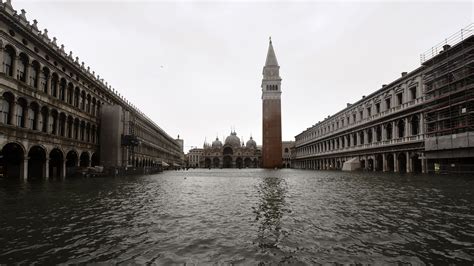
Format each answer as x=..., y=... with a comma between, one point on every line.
x=243, y=216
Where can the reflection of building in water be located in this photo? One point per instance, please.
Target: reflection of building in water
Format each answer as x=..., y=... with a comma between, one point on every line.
x=232, y=154
x=270, y=211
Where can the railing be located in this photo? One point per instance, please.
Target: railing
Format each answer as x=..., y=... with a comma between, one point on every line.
x=451, y=40
x=392, y=110
x=378, y=144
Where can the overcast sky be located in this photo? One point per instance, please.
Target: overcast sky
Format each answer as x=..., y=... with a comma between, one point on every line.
x=195, y=68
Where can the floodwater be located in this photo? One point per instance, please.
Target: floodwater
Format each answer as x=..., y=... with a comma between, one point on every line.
x=241, y=217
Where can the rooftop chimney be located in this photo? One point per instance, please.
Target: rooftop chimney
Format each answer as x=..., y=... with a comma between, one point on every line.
x=404, y=74
x=446, y=47
x=384, y=85
x=349, y=104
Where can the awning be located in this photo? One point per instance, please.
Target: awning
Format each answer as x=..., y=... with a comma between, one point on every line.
x=176, y=165
x=165, y=164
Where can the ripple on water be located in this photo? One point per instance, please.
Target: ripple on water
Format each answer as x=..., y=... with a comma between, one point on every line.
x=240, y=216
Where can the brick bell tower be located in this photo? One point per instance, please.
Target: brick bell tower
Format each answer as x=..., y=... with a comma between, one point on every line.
x=271, y=116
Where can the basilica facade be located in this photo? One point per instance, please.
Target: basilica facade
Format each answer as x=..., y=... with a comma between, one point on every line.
x=233, y=153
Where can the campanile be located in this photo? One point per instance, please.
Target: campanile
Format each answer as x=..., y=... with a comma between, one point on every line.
x=271, y=115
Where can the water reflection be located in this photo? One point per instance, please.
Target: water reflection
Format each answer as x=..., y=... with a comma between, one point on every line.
x=269, y=212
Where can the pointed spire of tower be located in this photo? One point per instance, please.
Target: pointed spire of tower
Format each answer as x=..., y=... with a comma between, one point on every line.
x=271, y=57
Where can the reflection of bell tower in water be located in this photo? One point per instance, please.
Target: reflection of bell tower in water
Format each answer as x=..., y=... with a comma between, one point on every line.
x=271, y=97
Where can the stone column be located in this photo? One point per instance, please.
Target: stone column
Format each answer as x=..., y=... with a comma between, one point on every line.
x=366, y=136
x=24, y=169
x=63, y=169
x=409, y=163
x=384, y=133
x=394, y=130
x=407, y=127
x=423, y=164
x=357, y=140
x=384, y=163
x=395, y=163
x=46, y=168
x=376, y=165
x=422, y=125
x=2, y=49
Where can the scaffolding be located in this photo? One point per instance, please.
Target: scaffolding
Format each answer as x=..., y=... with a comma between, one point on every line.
x=449, y=85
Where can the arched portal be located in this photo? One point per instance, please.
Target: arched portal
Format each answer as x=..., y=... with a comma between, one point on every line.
x=390, y=163
x=227, y=163
x=362, y=164
x=36, y=162
x=55, y=163
x=247, y=162
x=239, y=163
x=402, y=163
x=11, y=159
x=228, y=151
x=370, y=165
x=95, y=159
x=71, y=163
x=417, y=167
x=84, y=159
x=207, y=163
x=379, y=162
x=216, y=162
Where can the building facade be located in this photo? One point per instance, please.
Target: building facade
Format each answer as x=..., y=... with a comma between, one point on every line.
x=233, y=153
x=287, y=150
x=194, y=158
x=395, y=128
x=271, y=113
x=53, y=109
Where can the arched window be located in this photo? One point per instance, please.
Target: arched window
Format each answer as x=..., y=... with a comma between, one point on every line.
x=19, y=115
x=76, y=128
x=88, y=106
x=70, y=93
x=62, y=90
x=44, y=79
x=77, y=95
x=83, y=127
x=389, y=130
x=23, y=67
x=31, y=118
x=54, y=85
x=53, y=122
x=44, y=120
x=35, y=70
x=4, y=111
x=415, y=125
x=8, y=59
x=83, y=100
x=401, y=128
x=62, y=125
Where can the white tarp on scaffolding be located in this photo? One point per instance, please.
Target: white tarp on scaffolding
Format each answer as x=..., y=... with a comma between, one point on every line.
x=351, y=165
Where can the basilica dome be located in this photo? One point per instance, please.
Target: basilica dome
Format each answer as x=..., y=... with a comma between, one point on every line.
x=232, y=140
x=217, y=143
x=251, y=144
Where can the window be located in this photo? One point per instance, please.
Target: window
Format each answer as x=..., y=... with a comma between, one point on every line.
x=8, y=60
x=387, y=103
x=361, y=114
x=22, y=67
x=19, y=115
x=31, y=118
x=369, y=113
x=353, y=118
x=400, y=98
x=377, y=108
x=413, y=93
x=4, y=111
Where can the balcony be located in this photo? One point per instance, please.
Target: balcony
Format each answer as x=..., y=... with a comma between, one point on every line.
x=360, y=147
x=416, y=102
